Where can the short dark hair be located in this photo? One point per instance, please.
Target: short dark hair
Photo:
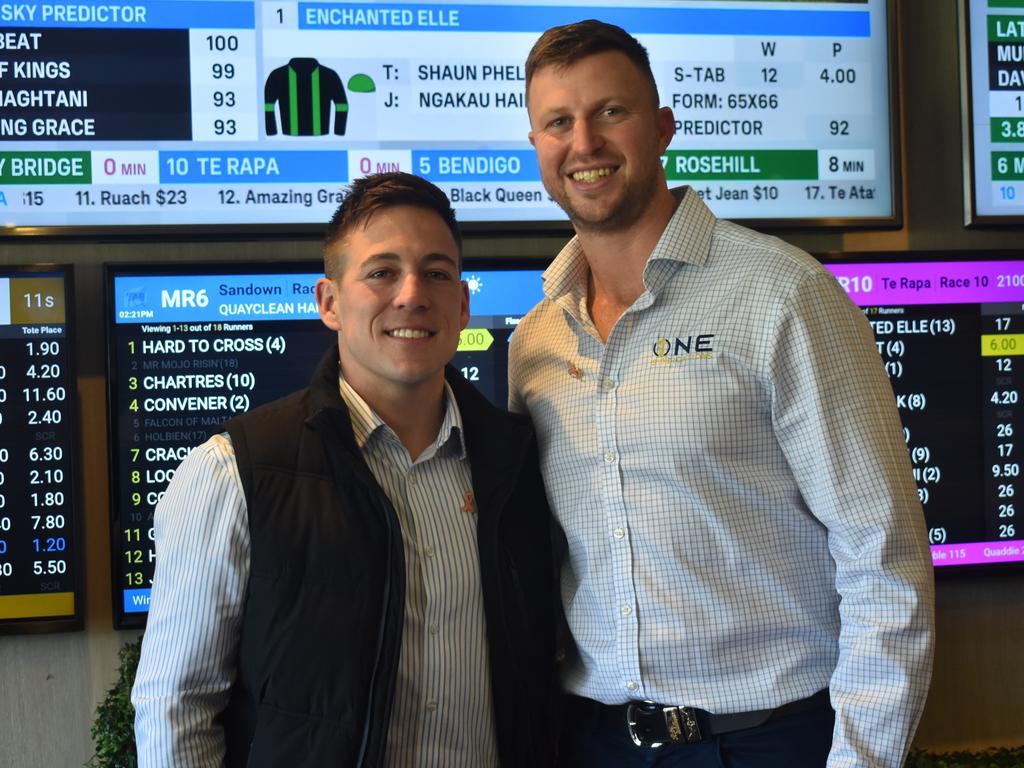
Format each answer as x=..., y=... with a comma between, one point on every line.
x=367, y=195
x=563, y=46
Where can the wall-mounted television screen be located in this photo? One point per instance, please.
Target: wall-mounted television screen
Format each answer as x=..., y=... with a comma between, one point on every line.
x=992, y=85
x=189, y=347
x=240, y=115
x=40, y=526
x=950, y=330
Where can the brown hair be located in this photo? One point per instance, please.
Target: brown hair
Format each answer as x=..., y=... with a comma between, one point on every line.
x=563, y=46
x=367, y=195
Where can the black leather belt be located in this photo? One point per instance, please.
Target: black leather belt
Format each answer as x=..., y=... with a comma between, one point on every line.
x=654, y=725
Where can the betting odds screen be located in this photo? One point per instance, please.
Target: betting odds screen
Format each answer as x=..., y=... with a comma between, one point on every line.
x=951, y=334
x=251, y=114
x=40, y=528
x=191, y=347
x=992, y=65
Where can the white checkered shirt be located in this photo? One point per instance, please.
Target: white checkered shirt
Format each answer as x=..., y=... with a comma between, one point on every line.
x=731, y=476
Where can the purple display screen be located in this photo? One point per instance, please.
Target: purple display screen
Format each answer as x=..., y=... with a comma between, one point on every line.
x=951, y=336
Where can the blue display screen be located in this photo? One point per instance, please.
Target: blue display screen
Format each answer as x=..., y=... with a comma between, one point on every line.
x=190, y=348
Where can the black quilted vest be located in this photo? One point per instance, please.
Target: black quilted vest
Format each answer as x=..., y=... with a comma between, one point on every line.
x=321, y=628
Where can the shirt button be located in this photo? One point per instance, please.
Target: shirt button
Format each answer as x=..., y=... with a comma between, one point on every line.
x=609, y=457
x=618, y=533
x=428, y=551
x=607, y=385
x=633, y=686
x=625, y=610
x=433, y=629
x=431, y=706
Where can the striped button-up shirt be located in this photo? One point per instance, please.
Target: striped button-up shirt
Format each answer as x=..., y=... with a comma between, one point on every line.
x=730, y=473
x=442, y=714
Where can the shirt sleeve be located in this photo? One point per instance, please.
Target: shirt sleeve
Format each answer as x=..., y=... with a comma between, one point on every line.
x=836, y=419
x=189, y=649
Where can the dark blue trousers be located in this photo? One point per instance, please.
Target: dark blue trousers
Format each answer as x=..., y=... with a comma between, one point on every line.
x=800, y=740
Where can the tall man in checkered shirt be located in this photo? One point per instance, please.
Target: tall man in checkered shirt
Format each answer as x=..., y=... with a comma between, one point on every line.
x=747, y=580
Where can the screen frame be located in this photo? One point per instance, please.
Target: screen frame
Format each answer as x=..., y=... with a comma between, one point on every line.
x=971, y=217
x=75, y=622
x=150, y=232
x=111, y=270
x=1013, y=568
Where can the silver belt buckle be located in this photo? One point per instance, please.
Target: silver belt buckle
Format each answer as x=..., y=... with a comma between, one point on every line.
x=649, y=706
x=680, y=723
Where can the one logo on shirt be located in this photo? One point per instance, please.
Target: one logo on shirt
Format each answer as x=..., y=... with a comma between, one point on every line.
x=679, y=349
x=575, y=372
x=468, y=504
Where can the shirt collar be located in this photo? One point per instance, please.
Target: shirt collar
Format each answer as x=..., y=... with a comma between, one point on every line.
x=687, y=238
x=366, y=423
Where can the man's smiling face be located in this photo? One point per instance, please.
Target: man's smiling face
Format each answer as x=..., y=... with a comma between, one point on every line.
x=599, y=137
x=398, y=304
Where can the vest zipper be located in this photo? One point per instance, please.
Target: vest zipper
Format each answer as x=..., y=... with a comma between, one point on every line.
x=365, y=759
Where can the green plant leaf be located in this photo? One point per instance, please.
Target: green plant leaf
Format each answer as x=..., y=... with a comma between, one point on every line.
x=113, y=729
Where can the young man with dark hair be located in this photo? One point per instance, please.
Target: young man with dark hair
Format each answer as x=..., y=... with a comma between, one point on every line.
x=358, y=574
x=748, y=579
x=368, y=195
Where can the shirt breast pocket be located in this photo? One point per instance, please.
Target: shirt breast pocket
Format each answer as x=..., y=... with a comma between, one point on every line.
x=695, y=406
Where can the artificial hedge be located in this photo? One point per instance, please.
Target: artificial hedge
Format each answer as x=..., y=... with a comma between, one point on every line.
x=113, y=730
